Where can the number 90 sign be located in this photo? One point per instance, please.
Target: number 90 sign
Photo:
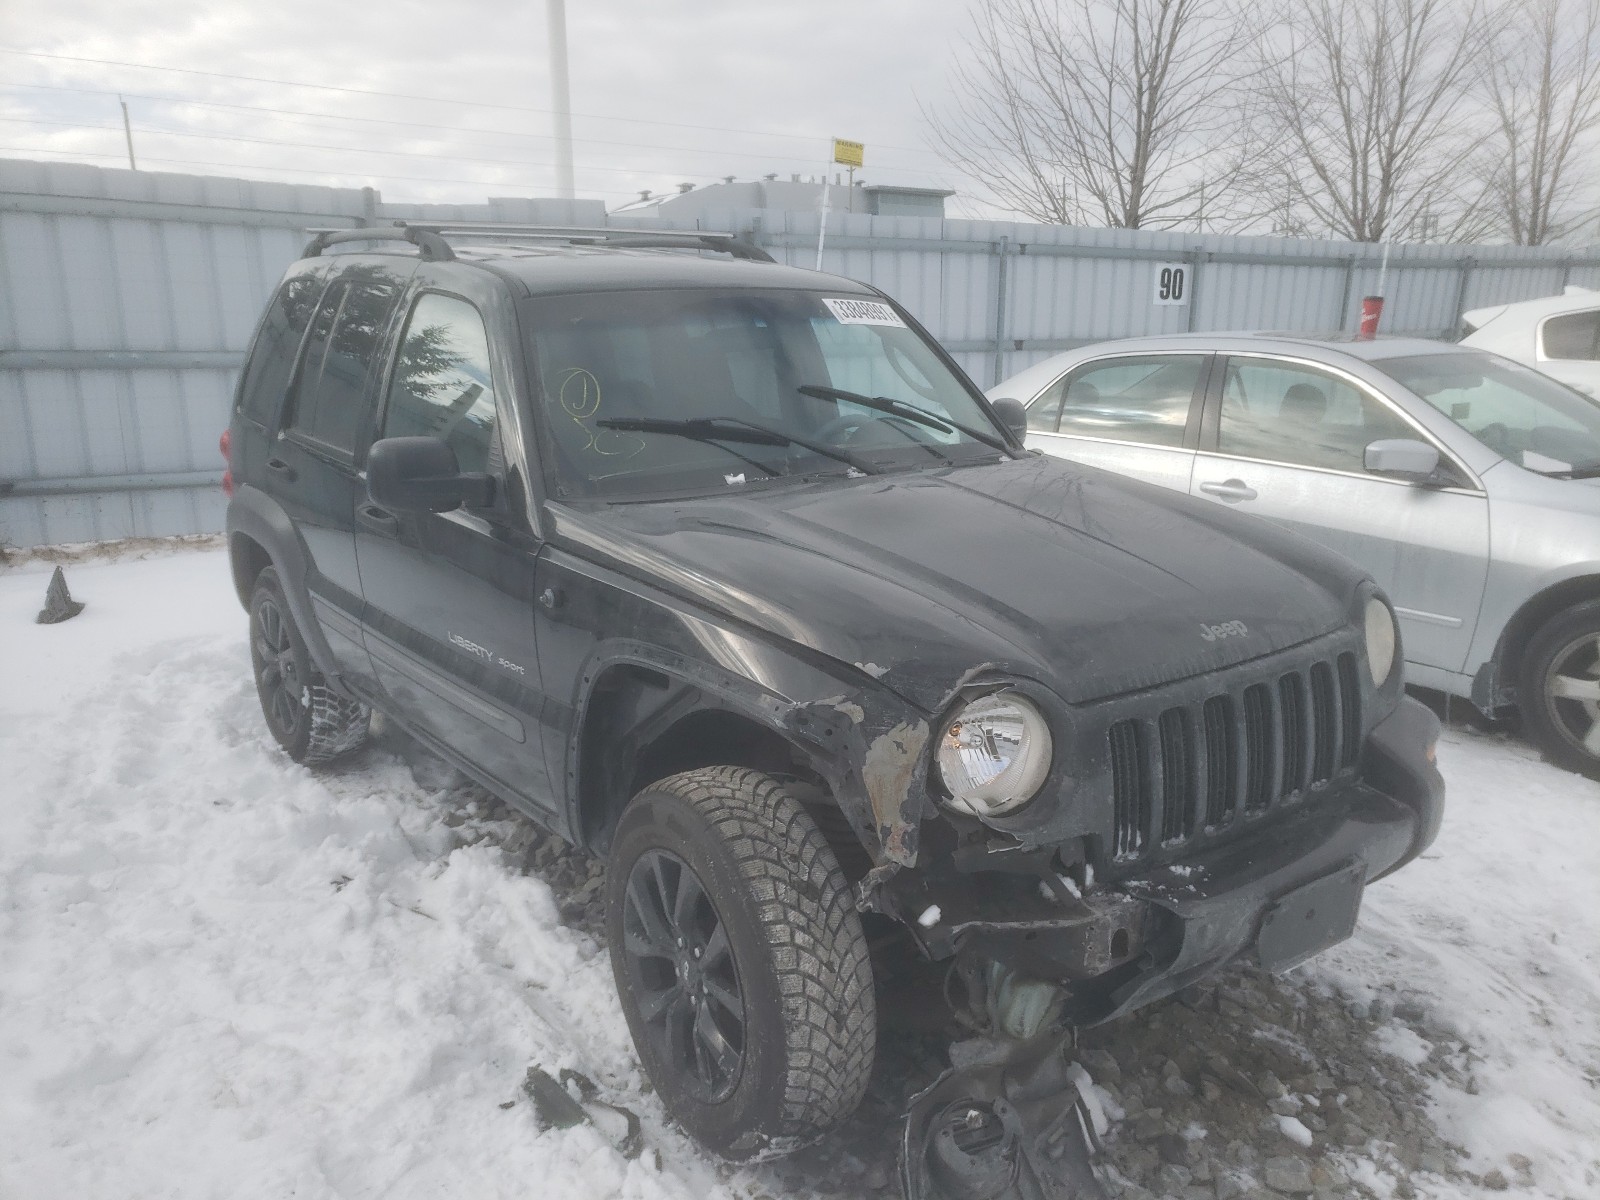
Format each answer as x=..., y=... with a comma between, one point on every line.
x=1172, y=283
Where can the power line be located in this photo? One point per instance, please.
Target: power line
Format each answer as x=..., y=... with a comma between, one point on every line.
x=454, y=129
x=219, y=137
x=350, y=91
x=200, y=162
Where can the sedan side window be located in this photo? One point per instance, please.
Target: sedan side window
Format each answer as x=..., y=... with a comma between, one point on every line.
x=1142, y=399
x=1044, y=414
x=1283, y=412
x=1574, y=337
x=442, y=385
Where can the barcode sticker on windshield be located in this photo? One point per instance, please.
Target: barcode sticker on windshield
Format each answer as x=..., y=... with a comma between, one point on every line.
x=864, y=312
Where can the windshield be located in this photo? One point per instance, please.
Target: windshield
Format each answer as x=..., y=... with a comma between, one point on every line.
x=1514, y=410
x=672, y=392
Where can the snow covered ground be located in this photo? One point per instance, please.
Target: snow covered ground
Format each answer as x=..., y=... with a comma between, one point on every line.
x=223, y=975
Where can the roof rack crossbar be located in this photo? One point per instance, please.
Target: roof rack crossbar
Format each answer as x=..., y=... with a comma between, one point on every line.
x=430, y=237
x=725, y=243
x=585, y=235
x=430, y=246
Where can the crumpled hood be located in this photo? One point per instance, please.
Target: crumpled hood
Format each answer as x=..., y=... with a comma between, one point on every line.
x=1091, y=583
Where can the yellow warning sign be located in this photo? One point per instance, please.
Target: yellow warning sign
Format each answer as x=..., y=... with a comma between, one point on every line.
x=850, y=154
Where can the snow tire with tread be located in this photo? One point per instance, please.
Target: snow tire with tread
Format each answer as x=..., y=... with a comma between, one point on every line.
x=809, y=1030
x=312, y=722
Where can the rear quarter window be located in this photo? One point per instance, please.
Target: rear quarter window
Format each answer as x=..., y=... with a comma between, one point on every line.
x=331, y=397
x=272, y=354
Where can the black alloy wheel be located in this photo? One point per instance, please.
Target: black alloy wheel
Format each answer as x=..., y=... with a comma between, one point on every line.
x=683, y=974
x=740, y=961
x=313, y=723
x=277, y=673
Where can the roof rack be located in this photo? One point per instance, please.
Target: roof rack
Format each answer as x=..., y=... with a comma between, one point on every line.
x=429, y=244
x=430, y=238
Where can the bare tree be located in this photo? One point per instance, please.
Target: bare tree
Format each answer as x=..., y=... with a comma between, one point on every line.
x=1359, y=104
x=1544, y=85
x=1111, y=112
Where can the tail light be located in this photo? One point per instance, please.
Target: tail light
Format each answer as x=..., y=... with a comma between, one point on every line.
x=225, y=444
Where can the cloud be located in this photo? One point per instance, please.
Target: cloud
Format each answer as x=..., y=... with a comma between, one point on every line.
x=662, y=92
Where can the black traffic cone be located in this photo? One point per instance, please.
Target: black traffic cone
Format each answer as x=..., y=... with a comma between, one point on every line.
x=58, y=602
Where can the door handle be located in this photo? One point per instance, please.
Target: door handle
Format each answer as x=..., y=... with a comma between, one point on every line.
x=378, y=520
x=1231, y=490
x=279, y=467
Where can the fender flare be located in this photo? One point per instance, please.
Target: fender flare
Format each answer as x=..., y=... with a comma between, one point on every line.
x=255, y=515
x=837, y=728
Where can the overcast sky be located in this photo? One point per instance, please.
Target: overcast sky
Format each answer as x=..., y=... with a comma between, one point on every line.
x=663, y=92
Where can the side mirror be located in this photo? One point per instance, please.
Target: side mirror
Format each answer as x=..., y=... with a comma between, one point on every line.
x=1012, y=415
x=1403, y=458
x=420, y=474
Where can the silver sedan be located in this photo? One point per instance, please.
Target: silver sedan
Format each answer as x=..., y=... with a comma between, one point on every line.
x=1467, y=484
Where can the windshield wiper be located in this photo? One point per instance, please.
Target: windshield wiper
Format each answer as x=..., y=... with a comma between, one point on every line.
x=732, y=429
x=1592, y=471
x=900, y=408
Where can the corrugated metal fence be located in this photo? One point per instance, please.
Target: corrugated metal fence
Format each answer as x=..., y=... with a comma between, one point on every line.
x=127, y=300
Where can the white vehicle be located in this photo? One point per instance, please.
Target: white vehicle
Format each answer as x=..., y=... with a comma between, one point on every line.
x=1559, y=335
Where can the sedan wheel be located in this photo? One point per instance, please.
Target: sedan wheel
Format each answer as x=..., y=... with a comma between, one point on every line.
x=1560, y=689
x=1572, y=692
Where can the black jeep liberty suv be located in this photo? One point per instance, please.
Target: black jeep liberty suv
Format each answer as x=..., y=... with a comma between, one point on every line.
x=726, y=571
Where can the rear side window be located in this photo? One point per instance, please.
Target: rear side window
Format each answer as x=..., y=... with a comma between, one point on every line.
x=266, y=375
x=442, y=385
x=1573, y=336
x=329, y=401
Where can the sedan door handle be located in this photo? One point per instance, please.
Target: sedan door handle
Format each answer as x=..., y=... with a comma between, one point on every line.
x=279, y=467
x=377, y=519
x=1231, y=490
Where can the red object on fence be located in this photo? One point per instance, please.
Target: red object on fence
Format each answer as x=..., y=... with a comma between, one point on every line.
x=1371, y=310
x=225, y=444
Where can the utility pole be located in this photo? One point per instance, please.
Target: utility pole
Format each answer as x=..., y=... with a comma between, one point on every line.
x=127, y=131
x=561, y=97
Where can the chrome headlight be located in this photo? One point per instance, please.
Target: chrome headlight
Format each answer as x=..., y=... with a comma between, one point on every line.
x=1381, y=640
x=994, y=754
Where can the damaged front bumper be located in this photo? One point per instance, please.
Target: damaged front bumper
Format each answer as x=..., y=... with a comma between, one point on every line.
x=1038, y=949
x=1286, y=890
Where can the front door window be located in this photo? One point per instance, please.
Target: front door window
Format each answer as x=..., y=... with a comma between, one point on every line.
x=443, y=385
x=1144, y=399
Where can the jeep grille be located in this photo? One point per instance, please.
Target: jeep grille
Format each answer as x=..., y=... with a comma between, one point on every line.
x=1189, y=770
